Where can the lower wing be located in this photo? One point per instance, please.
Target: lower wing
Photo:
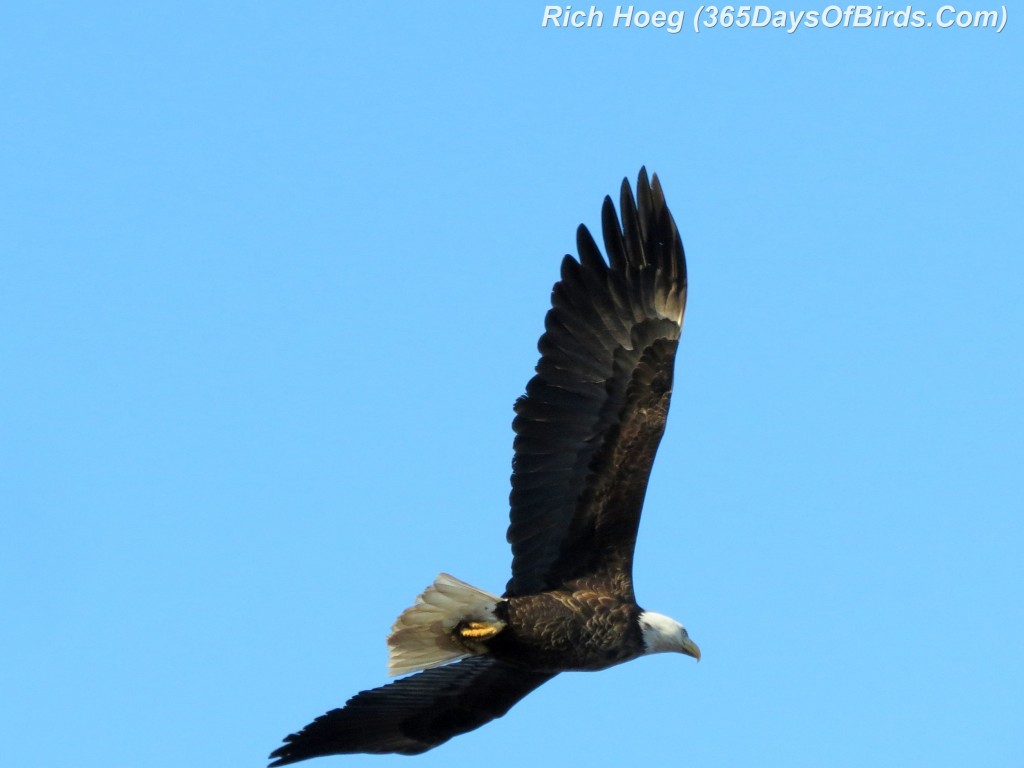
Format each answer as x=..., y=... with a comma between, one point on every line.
x=416, y=713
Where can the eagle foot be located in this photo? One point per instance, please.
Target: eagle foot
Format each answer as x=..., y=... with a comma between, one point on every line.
x=476, y=630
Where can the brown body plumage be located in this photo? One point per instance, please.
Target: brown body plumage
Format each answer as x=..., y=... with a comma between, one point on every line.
x=567, y=630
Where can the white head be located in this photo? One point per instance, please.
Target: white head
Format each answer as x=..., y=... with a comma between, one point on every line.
x=663, y=634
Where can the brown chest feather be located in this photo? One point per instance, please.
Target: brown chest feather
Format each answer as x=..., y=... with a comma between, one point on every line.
x=561, y=630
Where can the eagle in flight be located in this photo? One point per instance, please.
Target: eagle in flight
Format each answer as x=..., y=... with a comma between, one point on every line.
x=586, y=432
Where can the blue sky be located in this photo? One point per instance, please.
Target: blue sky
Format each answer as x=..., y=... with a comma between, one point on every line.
x=272, y=277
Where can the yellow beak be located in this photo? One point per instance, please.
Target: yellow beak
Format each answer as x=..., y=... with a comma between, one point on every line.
x=690, y=648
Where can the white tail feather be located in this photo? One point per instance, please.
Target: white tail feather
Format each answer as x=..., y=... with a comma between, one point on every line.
x=422, y=637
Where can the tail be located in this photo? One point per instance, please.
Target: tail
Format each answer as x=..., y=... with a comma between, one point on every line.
x=449, y=621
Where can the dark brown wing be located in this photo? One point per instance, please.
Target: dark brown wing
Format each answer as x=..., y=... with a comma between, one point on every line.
x=591, y=420
x=416, y=713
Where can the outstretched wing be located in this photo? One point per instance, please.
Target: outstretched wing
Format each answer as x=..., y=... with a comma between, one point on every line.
x=591, y=420
x=415, y=713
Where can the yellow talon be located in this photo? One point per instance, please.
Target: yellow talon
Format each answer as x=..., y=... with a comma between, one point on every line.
x=477, y=630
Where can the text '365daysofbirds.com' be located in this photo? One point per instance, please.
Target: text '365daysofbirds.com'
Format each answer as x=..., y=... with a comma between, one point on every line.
x=708, y=17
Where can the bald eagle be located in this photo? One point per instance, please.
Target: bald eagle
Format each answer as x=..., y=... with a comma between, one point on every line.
x=586, y=432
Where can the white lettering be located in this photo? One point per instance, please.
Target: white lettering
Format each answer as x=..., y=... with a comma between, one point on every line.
x=862, y=16
x=626, y=17
x=551, y=13
x=948, y=16
x=595, y=18
x=832, y=17
x=560, y=16
x=675, y=21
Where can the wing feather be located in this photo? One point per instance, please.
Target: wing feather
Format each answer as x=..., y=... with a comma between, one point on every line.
x=416, y=713
x=590, y=422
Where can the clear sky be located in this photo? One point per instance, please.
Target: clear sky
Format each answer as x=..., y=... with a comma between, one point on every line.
x=272, y=275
